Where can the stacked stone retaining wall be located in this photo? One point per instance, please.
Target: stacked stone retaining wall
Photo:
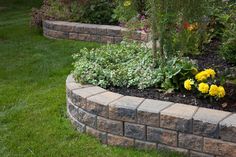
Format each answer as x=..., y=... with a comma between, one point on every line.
x=127, y=121
x=90, y=32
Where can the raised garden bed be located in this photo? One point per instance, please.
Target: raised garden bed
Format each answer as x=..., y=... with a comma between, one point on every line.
x=114, y=34
x=120, y=120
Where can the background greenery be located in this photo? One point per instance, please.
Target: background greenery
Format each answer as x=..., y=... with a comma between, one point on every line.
x=33, y=70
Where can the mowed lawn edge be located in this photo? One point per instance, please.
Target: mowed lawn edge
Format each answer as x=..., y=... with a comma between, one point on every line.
x=33, y=116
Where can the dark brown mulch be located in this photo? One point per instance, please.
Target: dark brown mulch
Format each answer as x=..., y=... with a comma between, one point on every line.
x=210, y=58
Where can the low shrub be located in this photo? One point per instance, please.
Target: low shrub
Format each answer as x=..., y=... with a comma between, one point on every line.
x=127, y=9
x=93, y=11
x=129, y=64
x=97, y=12
x=222, y=25
x=228, y=47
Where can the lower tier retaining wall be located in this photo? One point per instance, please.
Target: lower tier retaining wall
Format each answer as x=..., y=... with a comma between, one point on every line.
x=90, y=32
x=127, y=121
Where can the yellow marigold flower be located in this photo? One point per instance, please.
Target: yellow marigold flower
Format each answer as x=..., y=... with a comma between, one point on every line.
x=203, y=87
x=127, y=3
x=188, y=84
x=210, y=72
x=201, y=76
x=221, y=92
x=213, y=90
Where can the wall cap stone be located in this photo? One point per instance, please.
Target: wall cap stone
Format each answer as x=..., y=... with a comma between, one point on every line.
x=229, y=121
x=153, y=106
x=180, y=110
x=210, y=115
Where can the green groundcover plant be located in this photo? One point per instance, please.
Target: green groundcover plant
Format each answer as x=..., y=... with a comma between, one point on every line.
x=129, y=65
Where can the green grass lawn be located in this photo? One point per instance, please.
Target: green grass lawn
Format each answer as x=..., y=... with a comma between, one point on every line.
x=33, y=70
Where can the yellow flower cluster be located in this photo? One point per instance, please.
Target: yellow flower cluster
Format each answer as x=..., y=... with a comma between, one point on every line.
x=127, y=3
x=217, y=91
x=205, y=88
x=203, y=75
x=188, y=84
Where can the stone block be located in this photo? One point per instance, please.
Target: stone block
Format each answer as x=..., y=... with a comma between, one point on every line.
x=102, y=30
x=45, y=32
x=135, y=131
x=164, y=136
x=178, y=117
x=73, y=36
x=71, y=108
x=95, y=38
x=98, y=104
x=110, y=126
x=169, y=148
x=79, y=96
x=47, y=24
x=149, y=112
x=125, y=108
x=87, y=118
x=70, y=87
x=78, y=125
x=79, y=28
x=64, y=26
x=145, y=145
x=198, y=154
x=114, y=31
x=190, y=141
x=205, y=122
x=107, y=39
x=90, y=29
x=84, y=37
x=57, y=34
x=117, y=39
x=102, y=136
x=70, y=79
x=114, y=140
x=218, y=147
x=228, y=129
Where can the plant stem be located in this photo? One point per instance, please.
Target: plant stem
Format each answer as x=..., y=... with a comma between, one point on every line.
x=161, y=31
x=154, y=32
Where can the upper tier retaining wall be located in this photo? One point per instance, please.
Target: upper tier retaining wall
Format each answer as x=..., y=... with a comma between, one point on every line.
x=128, y=121
x=90, y=32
